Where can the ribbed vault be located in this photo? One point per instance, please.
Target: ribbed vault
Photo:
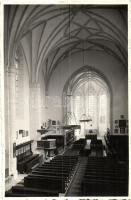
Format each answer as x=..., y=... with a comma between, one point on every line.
x=48, y=34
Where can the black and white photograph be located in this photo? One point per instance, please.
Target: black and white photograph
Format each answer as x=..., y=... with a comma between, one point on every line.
x=66, y=100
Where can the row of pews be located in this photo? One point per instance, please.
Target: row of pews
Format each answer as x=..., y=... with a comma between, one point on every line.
x=117, y=146
x=49, y=179
x=79, y=144
x=79, y=147
x=105, y=177
x=96, y=145
x=25, y=157
x=76, y=148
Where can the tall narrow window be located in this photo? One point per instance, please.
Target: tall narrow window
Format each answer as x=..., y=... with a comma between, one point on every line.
x=90, y=97
x=19, y=85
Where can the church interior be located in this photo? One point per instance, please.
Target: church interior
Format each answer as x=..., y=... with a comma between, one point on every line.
x=66, y=100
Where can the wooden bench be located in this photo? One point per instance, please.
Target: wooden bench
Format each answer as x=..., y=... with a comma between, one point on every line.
x=59, y=168
x=102, y=173
x=46, y=182
x=25, y=158
x=105, y=177
x=70, y=163
x=103, y=188
x=54, y=175
x=56, y=171
x=64, y=160
x=67, y=158
x=49, y=179
x=50, y=173
x=56, y=165
x=21, y=191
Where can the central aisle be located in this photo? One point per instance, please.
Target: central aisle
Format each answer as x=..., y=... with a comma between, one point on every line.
x=75, y=186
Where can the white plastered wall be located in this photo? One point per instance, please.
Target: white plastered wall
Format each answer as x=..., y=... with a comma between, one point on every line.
x=113, y=70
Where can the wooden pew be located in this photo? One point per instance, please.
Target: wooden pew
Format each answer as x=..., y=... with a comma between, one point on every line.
x=96, y=145
x=51, y=170
x=103, y=188
x=55, y=170
x=58, y=162
x=64, y=160
x=67, y=158
x=52, y=167
x=118, y=145
x=25, y=158
x=59, y=168
x=66, y=173
x=46, y=182
x=54, y=175
x=49, y=179
x=56, y=165
x=64, y=176
x=103, y=173
x=105, y=177
x=21, y=191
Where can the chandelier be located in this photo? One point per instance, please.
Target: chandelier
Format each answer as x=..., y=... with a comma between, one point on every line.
x=84, y=117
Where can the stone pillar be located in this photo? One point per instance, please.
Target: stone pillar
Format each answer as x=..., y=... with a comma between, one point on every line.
x=11, y=115
x=35, y=111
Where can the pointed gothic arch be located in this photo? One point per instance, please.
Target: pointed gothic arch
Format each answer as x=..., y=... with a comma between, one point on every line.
x=88, y=91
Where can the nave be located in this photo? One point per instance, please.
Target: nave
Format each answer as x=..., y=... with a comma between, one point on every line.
x=66, y=95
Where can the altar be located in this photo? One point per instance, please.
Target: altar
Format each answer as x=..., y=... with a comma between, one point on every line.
x=85, y=122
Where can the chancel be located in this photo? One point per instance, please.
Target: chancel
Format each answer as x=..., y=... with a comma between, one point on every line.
x=66, y=100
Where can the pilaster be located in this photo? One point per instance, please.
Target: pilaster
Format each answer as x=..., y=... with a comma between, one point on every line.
x=11, y=114
x=35, y=109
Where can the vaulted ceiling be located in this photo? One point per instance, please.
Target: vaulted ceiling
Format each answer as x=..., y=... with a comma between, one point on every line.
x=47, y=34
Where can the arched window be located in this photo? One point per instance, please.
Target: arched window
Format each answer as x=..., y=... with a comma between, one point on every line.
x=22, y=91
x=88, y=95
x=19, y=84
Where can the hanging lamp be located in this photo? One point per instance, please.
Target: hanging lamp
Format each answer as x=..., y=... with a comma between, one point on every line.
x=84, y=117
x=89, y=117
